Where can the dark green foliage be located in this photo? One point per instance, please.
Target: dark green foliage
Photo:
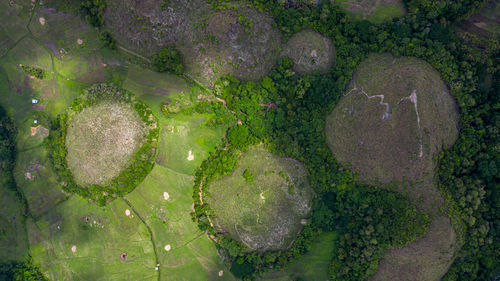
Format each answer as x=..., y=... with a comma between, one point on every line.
x=21, y=271
x=93, y=11
x=240, y=137
x=241, y=269
x=169, y=60
x=140, y=164
x=34, y=71
x=371, y=221
x=108, y=41
x=248, y=175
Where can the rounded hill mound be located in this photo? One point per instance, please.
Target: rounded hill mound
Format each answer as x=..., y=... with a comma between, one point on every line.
x=101, y=139
x=396, y=114
x=105, y=145
x=263, y=202
x=310, y=52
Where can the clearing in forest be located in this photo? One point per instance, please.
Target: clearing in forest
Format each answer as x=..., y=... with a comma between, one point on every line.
x=375, y=11
x=396, y=115
x=310, y=52
x=263, y=202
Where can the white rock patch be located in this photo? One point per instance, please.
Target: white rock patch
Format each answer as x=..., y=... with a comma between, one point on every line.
x=42, y=20
x=167, y=247
x=127, y=212
x=166, y=195
x=190, y=156
x=73, y=249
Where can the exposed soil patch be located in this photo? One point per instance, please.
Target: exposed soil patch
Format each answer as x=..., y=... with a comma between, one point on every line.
x=310, y=52
x=123, y=256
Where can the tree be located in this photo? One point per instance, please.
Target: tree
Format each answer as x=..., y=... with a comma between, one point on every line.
x=168, y=60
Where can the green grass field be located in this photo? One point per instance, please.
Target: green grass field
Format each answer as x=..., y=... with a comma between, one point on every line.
x=59, y=221
x=373, y=10
x=311, y=266
x=264, y=213
x=13, y=235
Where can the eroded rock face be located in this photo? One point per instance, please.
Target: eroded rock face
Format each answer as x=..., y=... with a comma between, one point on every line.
x=310, y=52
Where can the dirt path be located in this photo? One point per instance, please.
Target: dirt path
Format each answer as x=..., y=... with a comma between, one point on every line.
x=150, y=234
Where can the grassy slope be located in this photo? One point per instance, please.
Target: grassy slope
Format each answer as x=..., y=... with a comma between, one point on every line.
x=311, y=266
x=261, y=214
x=212, y=43
x=373, y=10
x=12, y=229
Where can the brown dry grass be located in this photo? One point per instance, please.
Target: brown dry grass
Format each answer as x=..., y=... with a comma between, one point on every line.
x=100, y=141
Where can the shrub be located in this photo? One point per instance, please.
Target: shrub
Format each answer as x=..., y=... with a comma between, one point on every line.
x=108, y=40
x=168, y=60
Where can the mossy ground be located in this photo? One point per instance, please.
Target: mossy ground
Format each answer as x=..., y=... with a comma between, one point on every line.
x=395, y=116
x=263, y=213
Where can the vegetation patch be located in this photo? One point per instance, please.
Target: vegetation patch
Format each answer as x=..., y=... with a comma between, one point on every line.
x=105, y=145
x=310, y=52
x=253, y=204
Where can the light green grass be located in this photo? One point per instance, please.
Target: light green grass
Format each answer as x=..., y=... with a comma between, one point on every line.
x=262, y=214
x=57, y=221
x=311, y=266
x=42, y=191
x=192, y=255
x=385, y=12
x=371, y=10
x=99, y=243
